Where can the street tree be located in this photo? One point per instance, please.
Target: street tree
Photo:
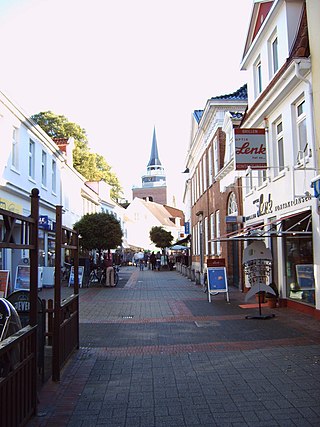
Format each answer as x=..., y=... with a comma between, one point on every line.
x=160, y=237
x=99, y=231
x=91, y=165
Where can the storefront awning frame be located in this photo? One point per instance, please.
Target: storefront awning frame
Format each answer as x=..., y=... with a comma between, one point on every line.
x=263, y=231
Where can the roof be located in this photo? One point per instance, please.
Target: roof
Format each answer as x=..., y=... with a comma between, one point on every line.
x=154, y=157
x=197, y=115
x=239, y=95
x=235, y=115
x=161, y=212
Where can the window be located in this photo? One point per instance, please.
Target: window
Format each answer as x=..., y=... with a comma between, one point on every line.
x=218, y=232
x=274, y=52
x=205, y=236
x=192, y=190
x=232, y=205
x=302, y=142
x=216, y=156
x=31, y=158
x=44, y=169
x=204, y=170
x=200, y=170
x=212, y=234
x=15, y=149
x=54, y=176
x=229, y=154
x=262, y=176
x=249, y=180
x=210, y=166
x=258, y=77
x=278, y=149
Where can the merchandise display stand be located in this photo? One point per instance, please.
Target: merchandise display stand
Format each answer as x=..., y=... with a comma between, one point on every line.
x=257, y=261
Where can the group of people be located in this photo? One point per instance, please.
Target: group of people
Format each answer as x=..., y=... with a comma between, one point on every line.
x=153, y=261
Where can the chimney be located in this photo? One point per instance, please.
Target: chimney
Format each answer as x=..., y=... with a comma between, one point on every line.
x=66, y=145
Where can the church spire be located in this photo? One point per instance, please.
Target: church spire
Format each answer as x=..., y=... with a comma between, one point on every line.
x=154, y=187
x=154, y=161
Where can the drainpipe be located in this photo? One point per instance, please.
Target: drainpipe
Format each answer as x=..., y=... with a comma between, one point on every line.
x=297, y=68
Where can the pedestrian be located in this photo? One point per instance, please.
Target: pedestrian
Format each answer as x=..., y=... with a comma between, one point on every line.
x=141, y=264
x=158, y=261
x=108, y=265
x=153, y=261
x=171, y=262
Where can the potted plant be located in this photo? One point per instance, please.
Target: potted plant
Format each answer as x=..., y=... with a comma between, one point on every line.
x=273, y=299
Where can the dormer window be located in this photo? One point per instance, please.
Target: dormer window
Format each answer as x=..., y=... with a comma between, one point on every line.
x=258, y=77
x=275, y=63
x=273, y=54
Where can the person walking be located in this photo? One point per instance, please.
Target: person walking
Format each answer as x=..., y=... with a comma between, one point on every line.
x=153, y=261
x=158, y=261
x=108, y=265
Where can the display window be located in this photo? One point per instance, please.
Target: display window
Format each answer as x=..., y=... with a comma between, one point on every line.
x=299, y=259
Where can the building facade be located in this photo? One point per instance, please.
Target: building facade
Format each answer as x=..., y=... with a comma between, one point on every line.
x=212, y=186
x=31, y=159
x=278, y=203
x=141, y=215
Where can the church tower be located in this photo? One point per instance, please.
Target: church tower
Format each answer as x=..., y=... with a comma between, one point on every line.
x=154, y=187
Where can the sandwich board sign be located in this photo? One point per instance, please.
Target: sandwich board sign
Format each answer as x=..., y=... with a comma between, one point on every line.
x=217, y=281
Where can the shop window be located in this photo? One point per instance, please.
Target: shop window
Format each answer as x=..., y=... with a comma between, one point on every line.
x=299, y=259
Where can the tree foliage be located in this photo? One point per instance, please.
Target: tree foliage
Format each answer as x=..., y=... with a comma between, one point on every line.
x=91, y=165
x=100, y=231
x=160, y=237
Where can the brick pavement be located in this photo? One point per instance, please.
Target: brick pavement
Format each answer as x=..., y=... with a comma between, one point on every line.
x=155, y=352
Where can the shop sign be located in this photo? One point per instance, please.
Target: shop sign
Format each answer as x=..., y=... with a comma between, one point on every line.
x=266, y=206
x=10, y=206
x=315, y=184
x=216, y=262
x=46, y=223
x=250, y=149
x=187, y=227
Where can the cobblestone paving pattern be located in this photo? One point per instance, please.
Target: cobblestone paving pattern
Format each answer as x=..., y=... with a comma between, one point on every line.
x=155, y=353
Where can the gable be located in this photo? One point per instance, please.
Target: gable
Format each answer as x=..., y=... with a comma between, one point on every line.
x=263, y=11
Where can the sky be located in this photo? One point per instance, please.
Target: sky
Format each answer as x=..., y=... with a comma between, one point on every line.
x=120, y=68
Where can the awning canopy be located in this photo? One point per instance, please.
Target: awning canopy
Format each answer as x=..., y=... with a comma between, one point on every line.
x=178, y=248
x=185, y=240
x=270, y=229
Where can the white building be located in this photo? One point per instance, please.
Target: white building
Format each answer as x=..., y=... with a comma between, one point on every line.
x=278, y=200
x=31, y=159
x=141, y=215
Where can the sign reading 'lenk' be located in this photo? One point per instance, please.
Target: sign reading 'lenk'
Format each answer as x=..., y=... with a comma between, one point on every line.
x=250, y=149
